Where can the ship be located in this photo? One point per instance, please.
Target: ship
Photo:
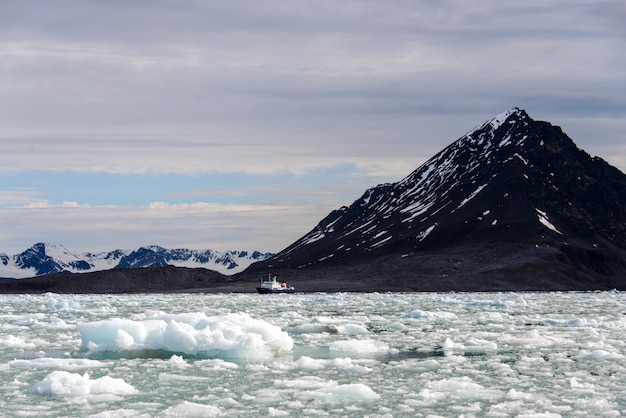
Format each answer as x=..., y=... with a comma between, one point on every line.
x=272, y=285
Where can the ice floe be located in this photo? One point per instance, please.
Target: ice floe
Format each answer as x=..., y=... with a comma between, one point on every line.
x=228, y=336
x=63, y=383
x=356, y=392
x=359, y=347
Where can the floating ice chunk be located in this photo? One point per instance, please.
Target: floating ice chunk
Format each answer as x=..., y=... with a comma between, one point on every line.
x=471, y=346
x=313, y=329
x=396, y=326
x=531, y=339
x=228, y=336
x=581, y=322
x=531, y=414
x=418, y=314
x=253, y=367
x=58, y=363
x=600, y=355
x=63, y=383
x=191, y=409
x=180, y=378
x=177, y=362
x=305, y=382
x=461, y=388
x=216, y=364
x=353, y=329
x=488, y=302
x=63, y=305
x=360, y=347
x=273, y=412
x=226, y=402
x=490, y=317
x=11, y=341
x=514, y=394
x=123, y=339
x=345, y=364
x=581, y=387
x=48, y=322
x=350, y=329
x=597, y=407
x=475, y=345
x=322, y=324
x=120, y=413
x=356, y=392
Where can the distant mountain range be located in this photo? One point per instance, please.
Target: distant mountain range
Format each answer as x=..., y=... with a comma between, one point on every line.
x=513, y=204
x=43, y=258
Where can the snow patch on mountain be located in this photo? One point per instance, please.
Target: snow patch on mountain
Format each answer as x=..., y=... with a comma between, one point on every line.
x=471, y=196
x=422, y=235
x=543, y=218
x=497, y=121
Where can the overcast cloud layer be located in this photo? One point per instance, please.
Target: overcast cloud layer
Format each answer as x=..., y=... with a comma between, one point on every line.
x=241, y=124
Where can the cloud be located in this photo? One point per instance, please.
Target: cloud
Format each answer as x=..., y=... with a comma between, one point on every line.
x=333, y=96
x=18, y=197
x=198, y=226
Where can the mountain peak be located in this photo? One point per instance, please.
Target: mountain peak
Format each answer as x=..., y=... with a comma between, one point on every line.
x=511, y=179
x=500, y=119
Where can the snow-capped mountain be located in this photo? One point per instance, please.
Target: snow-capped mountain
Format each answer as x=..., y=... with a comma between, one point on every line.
x=45, y=258
x=509, y=180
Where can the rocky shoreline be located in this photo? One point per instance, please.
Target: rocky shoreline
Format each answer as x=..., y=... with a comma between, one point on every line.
x=492, y=267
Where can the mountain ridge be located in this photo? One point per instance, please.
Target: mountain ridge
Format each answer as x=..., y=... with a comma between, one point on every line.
x=47, y=258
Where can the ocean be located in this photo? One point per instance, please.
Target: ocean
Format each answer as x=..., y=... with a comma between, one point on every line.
x=339, y=355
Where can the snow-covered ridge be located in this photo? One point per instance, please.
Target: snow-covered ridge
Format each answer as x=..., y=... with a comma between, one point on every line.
x=46, y=258
x=497, y=121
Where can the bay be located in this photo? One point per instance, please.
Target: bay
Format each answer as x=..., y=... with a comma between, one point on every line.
x=342, y=354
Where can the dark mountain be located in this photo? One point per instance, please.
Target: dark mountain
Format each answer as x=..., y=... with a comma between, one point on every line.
x=133, y=280
x=513, y=204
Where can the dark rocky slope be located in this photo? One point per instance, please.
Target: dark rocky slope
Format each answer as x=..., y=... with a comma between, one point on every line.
x=135, y=280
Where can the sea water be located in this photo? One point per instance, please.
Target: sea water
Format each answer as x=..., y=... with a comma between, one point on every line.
x=345, y=354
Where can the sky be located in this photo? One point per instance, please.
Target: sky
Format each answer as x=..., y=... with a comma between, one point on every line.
x=240, y=125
